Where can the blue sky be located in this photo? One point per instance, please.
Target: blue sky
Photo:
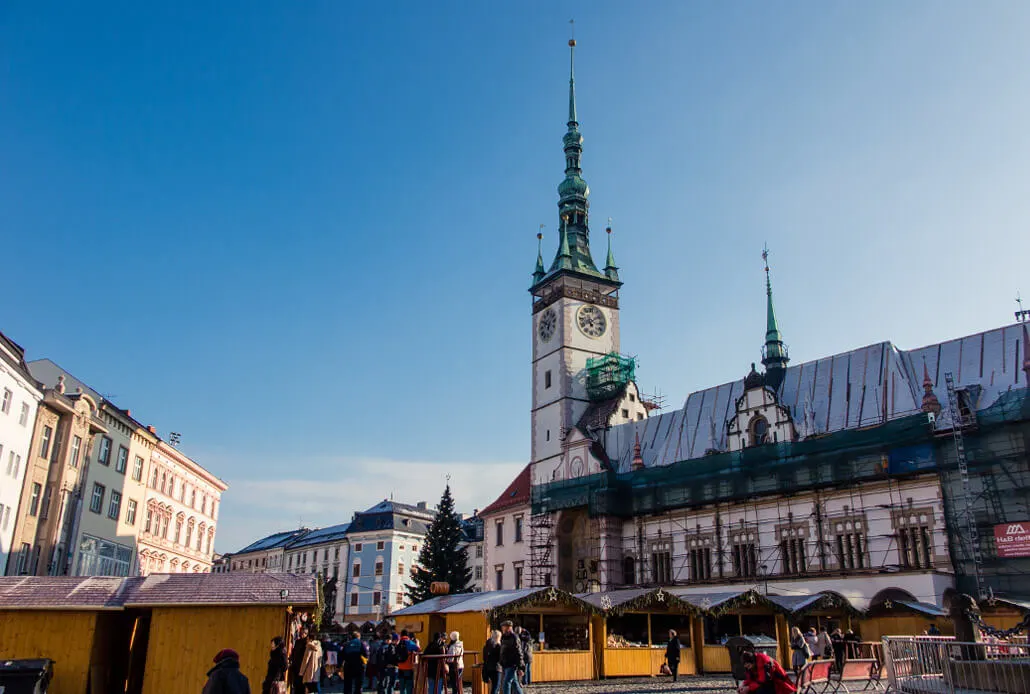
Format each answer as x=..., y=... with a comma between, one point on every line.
x=301, y=234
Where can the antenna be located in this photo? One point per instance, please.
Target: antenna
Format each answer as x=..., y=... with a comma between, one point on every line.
x=1022, y=315
x=174, y=438
x=572, y=29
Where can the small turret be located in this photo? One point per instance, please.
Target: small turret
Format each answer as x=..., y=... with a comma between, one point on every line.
x=611, y=270
x=930, y=402
x=638, y=459
x=774, y=354
x=538, y=273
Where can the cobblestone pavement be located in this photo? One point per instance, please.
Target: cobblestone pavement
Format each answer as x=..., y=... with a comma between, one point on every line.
x=690, y=684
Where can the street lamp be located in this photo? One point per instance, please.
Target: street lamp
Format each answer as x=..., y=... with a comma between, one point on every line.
x=763, y=571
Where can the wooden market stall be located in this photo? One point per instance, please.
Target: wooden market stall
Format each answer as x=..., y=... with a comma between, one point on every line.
x=1002, y=613
x=147, y=635
x=635, y=630
x=745, y=613
x=563, y=627
x=903, y=617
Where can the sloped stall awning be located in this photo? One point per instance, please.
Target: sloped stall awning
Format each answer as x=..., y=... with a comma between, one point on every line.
x=617, y=602
x=499, y=602
x=717, y=603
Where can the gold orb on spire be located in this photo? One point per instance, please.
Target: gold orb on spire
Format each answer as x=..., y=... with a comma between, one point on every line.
x=572, y=42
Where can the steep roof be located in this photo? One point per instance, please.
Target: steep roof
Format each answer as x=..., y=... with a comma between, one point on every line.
x=60, y=592
x=319, y=536
x=850, y=390
x=13, y=353
x=516, y=494
x=391, y=506
x=273, y=541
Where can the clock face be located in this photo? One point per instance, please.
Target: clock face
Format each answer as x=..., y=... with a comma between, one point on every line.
x=591, y=321
x=548, y=322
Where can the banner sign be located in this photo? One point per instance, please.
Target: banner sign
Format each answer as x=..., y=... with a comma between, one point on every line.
x=1012, y=539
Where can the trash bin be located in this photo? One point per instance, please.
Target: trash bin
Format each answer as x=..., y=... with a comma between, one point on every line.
x=26, y=676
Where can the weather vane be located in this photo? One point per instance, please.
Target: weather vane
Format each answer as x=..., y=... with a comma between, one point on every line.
x=572, y=30
x=1022, y=314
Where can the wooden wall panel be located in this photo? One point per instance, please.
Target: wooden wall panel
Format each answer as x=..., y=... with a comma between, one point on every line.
x=183, y=641
x=902, y=625
x=64, y=637
x=472, y=627
x=562, y=666
x=716, y=659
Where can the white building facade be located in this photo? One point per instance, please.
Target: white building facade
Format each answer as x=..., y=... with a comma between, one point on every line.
x=19, y=398
x=506, y=550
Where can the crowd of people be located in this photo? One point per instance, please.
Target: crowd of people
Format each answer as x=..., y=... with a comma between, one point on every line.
x=508, y=659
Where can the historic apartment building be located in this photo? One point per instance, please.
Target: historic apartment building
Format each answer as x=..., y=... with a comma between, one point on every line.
x=505, y=546
x=180, y=516
x=19, y=398
x=798, y=478
x=267, y=555
x=472, y=541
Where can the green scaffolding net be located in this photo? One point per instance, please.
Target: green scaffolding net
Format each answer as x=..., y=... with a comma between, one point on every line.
x=607, y=375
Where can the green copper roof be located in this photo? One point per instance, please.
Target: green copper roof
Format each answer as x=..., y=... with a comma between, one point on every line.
x=538, y=273
x=611, y=270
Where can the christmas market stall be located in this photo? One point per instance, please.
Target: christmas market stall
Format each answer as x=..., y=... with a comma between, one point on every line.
x=562, y=626
x=153, y=635
x=746, y=613
x=826, y=610
x=635, y=630
x=895, y=612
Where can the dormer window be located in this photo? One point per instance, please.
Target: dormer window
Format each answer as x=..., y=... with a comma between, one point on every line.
x=759, y=431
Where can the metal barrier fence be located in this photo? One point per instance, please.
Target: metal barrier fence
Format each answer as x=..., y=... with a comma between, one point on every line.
x=942, y=665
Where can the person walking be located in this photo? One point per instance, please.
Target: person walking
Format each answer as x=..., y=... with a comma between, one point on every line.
x=388, y=663
x=311, y=664
x=851, y=643
x=838, y=647
x=225, y=677
x=492, y=662
x=406, y=651
x=512, y=661
x=799, y=650
x=672, y=654
x=275, y=674
x=812, y=639
x=527, y=655
x=374, y=666
x=436, y=668
x=296, y=658
x=763, y=675
x=456, y=649
x=355, y=656
x=823, y=648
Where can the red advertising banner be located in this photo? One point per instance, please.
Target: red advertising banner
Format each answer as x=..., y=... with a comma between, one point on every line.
x=1012, y=539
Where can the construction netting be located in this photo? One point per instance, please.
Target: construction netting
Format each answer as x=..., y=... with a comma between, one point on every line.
x=607, y=375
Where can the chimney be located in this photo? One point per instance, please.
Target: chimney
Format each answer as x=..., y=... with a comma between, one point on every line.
x=128, y=413
x=638, y=460
x=152, y=429
x=421, y=506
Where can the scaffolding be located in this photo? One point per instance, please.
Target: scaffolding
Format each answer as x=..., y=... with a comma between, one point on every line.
x=541, y=547
x=608, y=375
x=737, y=490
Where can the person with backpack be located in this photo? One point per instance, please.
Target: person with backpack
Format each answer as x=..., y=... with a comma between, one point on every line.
x=355, y=657
x=406, y=651
x=388, y=664
x=527, y=655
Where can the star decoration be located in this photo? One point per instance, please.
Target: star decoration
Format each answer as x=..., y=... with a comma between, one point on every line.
x=887, y=604
x=750, y=598
x=552, y=594
x=660, y=596
x=606, y=602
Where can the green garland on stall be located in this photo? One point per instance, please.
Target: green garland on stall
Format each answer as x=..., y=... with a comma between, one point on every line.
x=316, y=617
x=544, y=596
x=650, y=599
x=749, y=598
x=831, y=600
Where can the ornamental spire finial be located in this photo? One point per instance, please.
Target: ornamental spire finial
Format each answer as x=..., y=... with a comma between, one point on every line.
x=572, y=74
x=774, y=357
x=611, y=270
x=539, y=272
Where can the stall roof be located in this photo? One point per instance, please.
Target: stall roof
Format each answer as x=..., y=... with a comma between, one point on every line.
x=717, y=602
x=433, y=605
x=220, y=589
x=60, y=593
x=926, y=608
x=1021, y=605
x=799, y=603
x=114, y=593
x=634, y=598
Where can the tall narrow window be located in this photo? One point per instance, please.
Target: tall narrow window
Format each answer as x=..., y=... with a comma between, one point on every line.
x=76, y=449
x=547, y=379
x=518, y=528
x=500, y=533
x=5, y=407
x=661, y=567
x=629, y=571
x=44, y=442
x=104, y=451
x=518, y=578
x=37, y=491
x=137, y=469
x=130, y=512
x=123, y=459
x=96, y=502
x=114, y=509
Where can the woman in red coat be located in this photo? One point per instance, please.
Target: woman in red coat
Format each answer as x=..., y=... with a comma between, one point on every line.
x=763, y=675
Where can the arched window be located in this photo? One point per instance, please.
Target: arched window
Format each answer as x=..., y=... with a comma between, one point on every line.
x=629, y=571
x=759, y=429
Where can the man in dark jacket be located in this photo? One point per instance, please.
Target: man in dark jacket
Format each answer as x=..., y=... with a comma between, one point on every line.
x=296, y=658
x=355, y=656
x=512, y=660
x=225, y=677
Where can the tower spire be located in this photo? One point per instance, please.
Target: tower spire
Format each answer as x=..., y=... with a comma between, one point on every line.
x=774, y=355
x=538, y=273
x=611, y=270
x=572, y=76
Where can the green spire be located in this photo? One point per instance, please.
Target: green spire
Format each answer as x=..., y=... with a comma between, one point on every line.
x=774, y=354
x=611, y=270
x=538, y=273
x=564, y=259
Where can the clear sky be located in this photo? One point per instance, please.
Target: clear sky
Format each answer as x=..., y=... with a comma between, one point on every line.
x=301, y=233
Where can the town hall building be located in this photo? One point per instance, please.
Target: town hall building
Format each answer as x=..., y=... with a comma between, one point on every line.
x=845, y=473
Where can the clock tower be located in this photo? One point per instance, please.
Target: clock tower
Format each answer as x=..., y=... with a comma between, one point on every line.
x=575, y=316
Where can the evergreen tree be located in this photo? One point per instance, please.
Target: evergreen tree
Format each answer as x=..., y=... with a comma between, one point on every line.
x=442, y=557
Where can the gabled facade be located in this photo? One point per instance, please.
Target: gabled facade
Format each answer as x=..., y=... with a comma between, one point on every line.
x=506, y=537
x=384, y=545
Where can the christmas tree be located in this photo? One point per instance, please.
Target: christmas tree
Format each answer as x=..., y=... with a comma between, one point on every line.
x=442, y=558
